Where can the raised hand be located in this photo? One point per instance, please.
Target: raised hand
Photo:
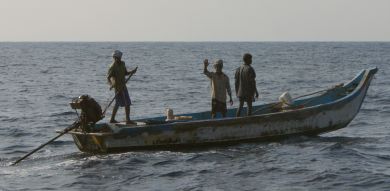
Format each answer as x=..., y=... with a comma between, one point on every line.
x=134, y=71
x=206, y=62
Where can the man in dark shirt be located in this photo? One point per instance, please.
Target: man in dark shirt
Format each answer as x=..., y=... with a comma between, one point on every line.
x=116, y=78
x=245, y=84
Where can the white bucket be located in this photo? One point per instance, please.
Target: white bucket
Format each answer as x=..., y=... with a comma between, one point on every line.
x=286, y=99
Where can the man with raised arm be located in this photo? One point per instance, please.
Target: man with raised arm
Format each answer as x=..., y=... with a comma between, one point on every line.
x=220, y=85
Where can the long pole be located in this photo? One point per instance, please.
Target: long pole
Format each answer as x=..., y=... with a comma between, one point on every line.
x=66, y=130
x=73, y=126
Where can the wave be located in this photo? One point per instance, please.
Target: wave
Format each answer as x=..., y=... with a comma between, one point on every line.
x=344, y=139
x=164, y=163
x=10, y=119
x=323, y=177
x=17, y=132
x=373, y=181
x=58, y=143
x=175, y=174
x=247, y=174
x=56, y=97
x=202, y=157
x=36, y=160
x=66, y=113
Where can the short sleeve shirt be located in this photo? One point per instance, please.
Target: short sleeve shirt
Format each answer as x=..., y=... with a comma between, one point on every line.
x=118, y=72
x=245, y=81
x=219, y=86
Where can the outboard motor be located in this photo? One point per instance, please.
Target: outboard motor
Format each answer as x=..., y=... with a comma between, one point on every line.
x=91, y=112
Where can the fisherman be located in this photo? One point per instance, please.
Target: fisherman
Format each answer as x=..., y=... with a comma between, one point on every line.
x=219, y=86
x=245, y=84
x=116, y=78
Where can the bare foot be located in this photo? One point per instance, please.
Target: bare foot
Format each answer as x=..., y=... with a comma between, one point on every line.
x=113, y=121
x=130, y=123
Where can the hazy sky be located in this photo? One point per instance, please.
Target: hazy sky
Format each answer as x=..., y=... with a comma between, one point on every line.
x=194, y=20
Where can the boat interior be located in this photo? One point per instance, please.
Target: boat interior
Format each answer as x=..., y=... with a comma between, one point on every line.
x=327, y=96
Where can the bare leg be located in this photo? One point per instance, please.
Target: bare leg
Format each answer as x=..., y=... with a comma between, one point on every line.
x=238, y=114
x=127, y=111
x=114, y=113
x=249, y=104
x=213, y=115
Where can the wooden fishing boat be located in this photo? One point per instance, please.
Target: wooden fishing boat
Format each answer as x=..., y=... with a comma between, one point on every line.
x=331, y=110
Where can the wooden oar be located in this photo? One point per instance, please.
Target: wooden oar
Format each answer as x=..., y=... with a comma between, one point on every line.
x=73, y=126
x=116, y=93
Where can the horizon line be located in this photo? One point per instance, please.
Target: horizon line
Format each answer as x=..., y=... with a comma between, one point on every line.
x=179, y=41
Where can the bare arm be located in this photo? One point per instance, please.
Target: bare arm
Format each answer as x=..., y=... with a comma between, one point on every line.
x=237, y=80
x=205, y=71
x=229, y=90
x=253, y=77
x=256, y=92
x=110, y=74
x=132, y=71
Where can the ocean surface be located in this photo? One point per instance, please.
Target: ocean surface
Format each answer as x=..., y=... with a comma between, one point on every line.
x=38, y=80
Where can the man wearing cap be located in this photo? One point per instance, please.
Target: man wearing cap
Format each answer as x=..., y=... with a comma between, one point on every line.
x=116, y=78
x=219, y=86
x=245, y=84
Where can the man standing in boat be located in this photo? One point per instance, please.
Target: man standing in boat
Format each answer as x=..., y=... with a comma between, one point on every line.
x=220, y=85
x=245, y=84
x=116, y=78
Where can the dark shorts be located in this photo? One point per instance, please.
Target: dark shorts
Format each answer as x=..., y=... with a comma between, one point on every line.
x=217, y=106
x=122, y=98
x=246, y=99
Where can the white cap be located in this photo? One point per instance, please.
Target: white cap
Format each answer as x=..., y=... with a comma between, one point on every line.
x=117, y=54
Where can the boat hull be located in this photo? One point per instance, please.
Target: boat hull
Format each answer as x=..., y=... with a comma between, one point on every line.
x=309, y=121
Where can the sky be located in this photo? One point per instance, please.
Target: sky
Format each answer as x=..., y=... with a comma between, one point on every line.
x=194, y=20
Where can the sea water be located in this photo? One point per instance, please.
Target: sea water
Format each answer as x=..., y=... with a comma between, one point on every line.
x=38, y=80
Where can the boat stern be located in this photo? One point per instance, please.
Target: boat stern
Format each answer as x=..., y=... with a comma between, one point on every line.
x=89, y=143
x=92, y=142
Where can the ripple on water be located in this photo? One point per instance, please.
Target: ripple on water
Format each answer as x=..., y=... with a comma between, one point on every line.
x=165, y=162
x=175, y=174
x=10, y=119
x=16, y=132
x=54, y=74
x=208, y=156
x=247, y=174
x=66, y=113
